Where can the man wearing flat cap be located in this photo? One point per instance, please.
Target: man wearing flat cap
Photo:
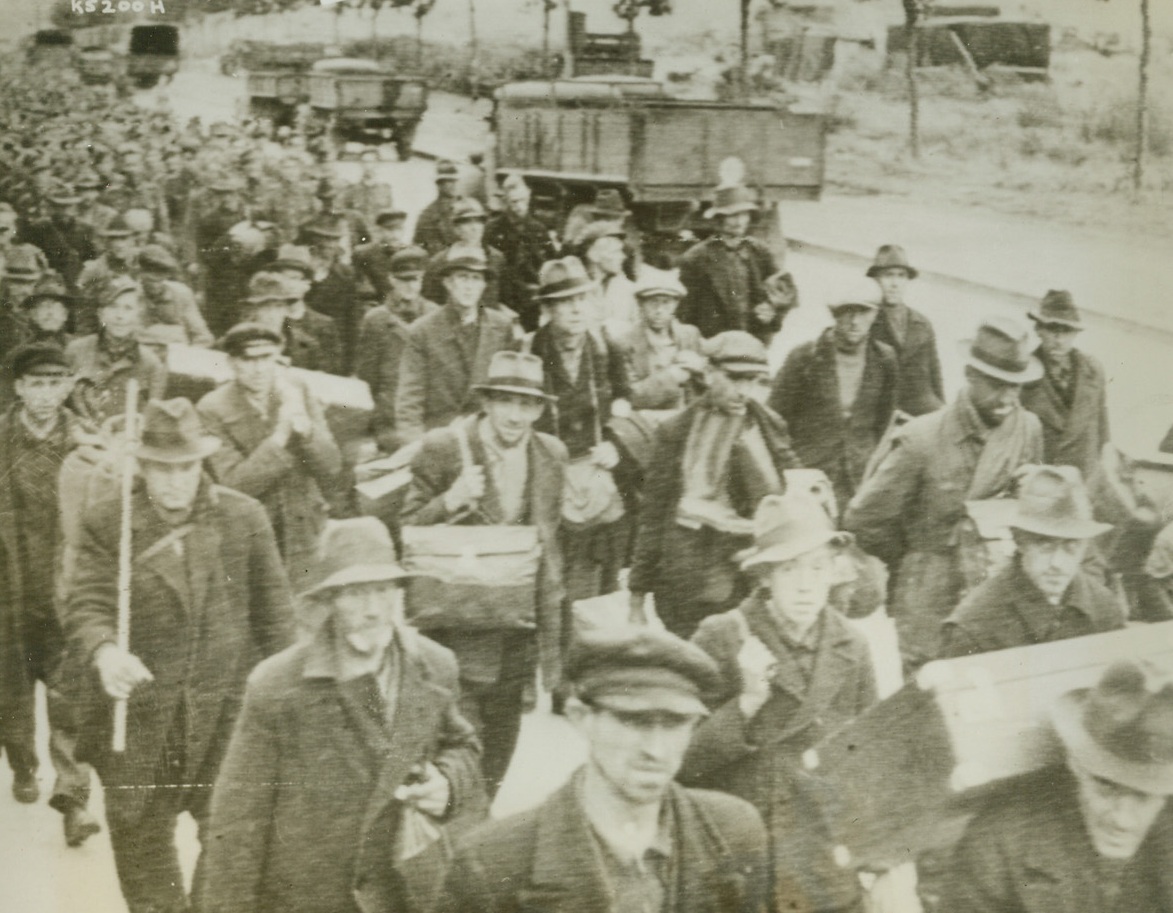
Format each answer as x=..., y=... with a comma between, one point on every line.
x=909, y=512
x=168, y=301
x=468, y=223
x=270, y=302
x=664, y=355
x=526, y=243
x=509, y=475
x=711, y=465
x=434, y=230
x=1044, y=593
x=119, y=257
x=275, y=443
x=621, y=835
x=449, y=350
x=838, y=393
x=208, y=597
x=67, y=243
x=1070, y=398
x=384, y=336
x=339, y=739
x=908, y=332
x=372, y=260
x=1092, y=833
x=295, y=265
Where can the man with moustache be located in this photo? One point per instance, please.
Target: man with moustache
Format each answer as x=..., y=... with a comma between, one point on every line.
x=909, y=511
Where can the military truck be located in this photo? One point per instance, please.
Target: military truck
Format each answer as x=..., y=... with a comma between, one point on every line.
x=96, y=65
x=357, y=99
x=52, y=47
x=277, y=93
x=153, y=53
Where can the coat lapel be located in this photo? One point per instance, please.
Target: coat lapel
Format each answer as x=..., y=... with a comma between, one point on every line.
x=567, y=874
x=246, y=426
x=167, y=564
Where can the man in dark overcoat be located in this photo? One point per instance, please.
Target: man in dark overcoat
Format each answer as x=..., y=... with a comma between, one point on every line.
x=340, y=737
x=372, y=261
x=621, y=835
x=838, y=393
x=526, y=244
x=433, y=229
x=449, y=350
x=1070, y=398
x=908, y=332
x=208, y=597
x=710, y=467
x=468, y=222
x=1092, y=833
x=515, y=477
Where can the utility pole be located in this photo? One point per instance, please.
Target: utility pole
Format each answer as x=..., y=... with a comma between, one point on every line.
x=1142, y=96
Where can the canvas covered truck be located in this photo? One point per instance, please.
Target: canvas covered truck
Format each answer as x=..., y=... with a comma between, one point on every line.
x=277, y=93
x=359, y=99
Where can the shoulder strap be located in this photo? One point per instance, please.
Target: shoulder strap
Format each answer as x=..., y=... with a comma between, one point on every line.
x=176, y=535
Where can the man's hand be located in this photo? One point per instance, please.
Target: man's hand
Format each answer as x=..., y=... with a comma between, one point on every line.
x=764, y=312
x=430, y=795
x=605, y=455
x=119, y=671
x=756, y=664
x=467, y=490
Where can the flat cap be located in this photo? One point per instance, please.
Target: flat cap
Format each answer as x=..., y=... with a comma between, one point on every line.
x=266, y=286
x=387, y=216
x=410, y=261
x=638, y=668
x=41, y=358
x=156, y=258
x=116, y=288
x=246, y=339
x=738, y=352
x=464, y=258
x=447, y=171
x=468, y=209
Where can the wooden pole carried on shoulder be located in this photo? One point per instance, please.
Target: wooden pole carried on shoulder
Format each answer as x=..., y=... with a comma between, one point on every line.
x=124, y=556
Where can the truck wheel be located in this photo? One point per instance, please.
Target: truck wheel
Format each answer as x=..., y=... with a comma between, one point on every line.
x=405, y=140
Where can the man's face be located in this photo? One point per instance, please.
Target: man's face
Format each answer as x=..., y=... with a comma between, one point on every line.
x=470, y=232
x=512, y=415
x=517, y=200
x=736, y=225
x=893, y=281
x=122, y=316
x=297, y=281
x=17, y=288
x=365, y=616
x=993, y=399
x=369, y=162
x=800, y=587
x=269, y=314
x=407, y=287
x=608, y=255
x=42, y=395
x=123, y=248
x=637, y=754
x=7, y=229
x=153, y=284
x=729, y=392
x=172, y=486
x=1057, y=340
x=852, y=324
x=658, y=311
x=1117, y=818
x=257, y=372
x=465, y=287
x=49, y=315
x=568, y=316
x=446, y=188
x=1050, y=563
x=392, y=233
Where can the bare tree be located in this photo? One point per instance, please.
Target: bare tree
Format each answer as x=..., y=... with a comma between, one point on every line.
x=1142, y=96
x=914, y=11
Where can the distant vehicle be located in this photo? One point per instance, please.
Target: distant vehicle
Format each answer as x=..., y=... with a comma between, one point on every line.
x=153, y=52
x=571, y=138
x=51, y=46
x=276, y=94
x=96, y=65
x=357, y=99
x=254, y=56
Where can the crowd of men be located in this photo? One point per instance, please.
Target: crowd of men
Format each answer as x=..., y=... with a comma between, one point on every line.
x=543, y=376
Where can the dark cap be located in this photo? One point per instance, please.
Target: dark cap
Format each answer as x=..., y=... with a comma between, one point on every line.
x=155, y=258
x=247, y=339
x=1057, y=308
x=639, y=668
x=410, y=261
x=387, y=216
x=447, y=171
x=323, y=228
x=41, y=358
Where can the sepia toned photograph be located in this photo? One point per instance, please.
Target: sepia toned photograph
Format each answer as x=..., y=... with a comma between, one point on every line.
x=586, y=456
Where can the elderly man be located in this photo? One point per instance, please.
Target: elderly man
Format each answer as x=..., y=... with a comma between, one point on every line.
x=526, y=244
x=664, y=355
x=1093, y=833
x=468, y=223
x=434, y=231
x=208, y=597
x=838, y=393
x=513, y=475
x=908, y=332
x=1043, y=594
x=340, y=737
x=726, y=275
x=1070, y=398
x=621, y=835
x=909, y=512
x=710, y=467
x=276, y=445
x=384, y=335
x=449, y=350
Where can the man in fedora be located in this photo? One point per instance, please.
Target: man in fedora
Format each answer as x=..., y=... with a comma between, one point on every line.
x=621, y=835
x=908, y=512
x=208, y=597
x=275, y=443
x=384, y=335
x=515, y=477
x=710, y=467
x=434, y=230
x=1070, y=398
x=666, y=363
x=1092, y=833
x=1043, y=594
x=726, y=274
x=908, y=332
x=271, y=299
x=838, y=393
x=791, y=670
x=468, y=224
x=36, y=436
x=525, y=242
x=449, y=350
x=46, y=312
x=340, y=737
x=168, y=301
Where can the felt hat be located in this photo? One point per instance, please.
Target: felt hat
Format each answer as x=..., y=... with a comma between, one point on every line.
x=515, y=372
x=788, y=525
x=730, y=199
x=323, y=228
x=265, y=286
x=117, y=228
x=446, y=171
x=52, y=287
x=356, y=550
x=1004, y=349
x=891, y=256
x=1053, y=501
x=155, y=258
x=172, y=433
x=1057, y=307
x=600, y=228
x=563, y=278
x=1122, y=729
x=736, y=352
x=390, y=216
x=23, y=263
x=115, y=288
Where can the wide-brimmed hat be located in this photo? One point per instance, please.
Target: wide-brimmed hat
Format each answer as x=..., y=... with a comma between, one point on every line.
x=563, y=278
x=860, y=293
x=294, y=257
x=327, y=229
x=788, y=525
x=50, y=287
x=637, y=669
x=463, y=258
x=265, y=287
x=1057, y=307
x=653, y=281
x=1122, y=729
x=736, y=352
x=600, y=228
x=468, y=209
x=88, y=180
x=515, y=372
x=172, y=433
x=357, y=550
x=609, y=204
x=1004, y=349
x=1053, y=502
x=891, y=256
x=730, y=199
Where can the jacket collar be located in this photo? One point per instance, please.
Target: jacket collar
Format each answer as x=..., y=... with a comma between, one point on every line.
x=1032, y=606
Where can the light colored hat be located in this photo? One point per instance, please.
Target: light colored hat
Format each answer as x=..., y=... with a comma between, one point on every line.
x=358, y=550
x=1003, y=349
x=789, y=525
x=264, y=287
x=731, y=199
x=516, y=372
x=737, y=352
x=1053, y=502
x=563, y=278
x=858, y=294
x=652, y=281
x=1121, y=730
x=172, y=433
x=468, y=209
x=292, y=256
